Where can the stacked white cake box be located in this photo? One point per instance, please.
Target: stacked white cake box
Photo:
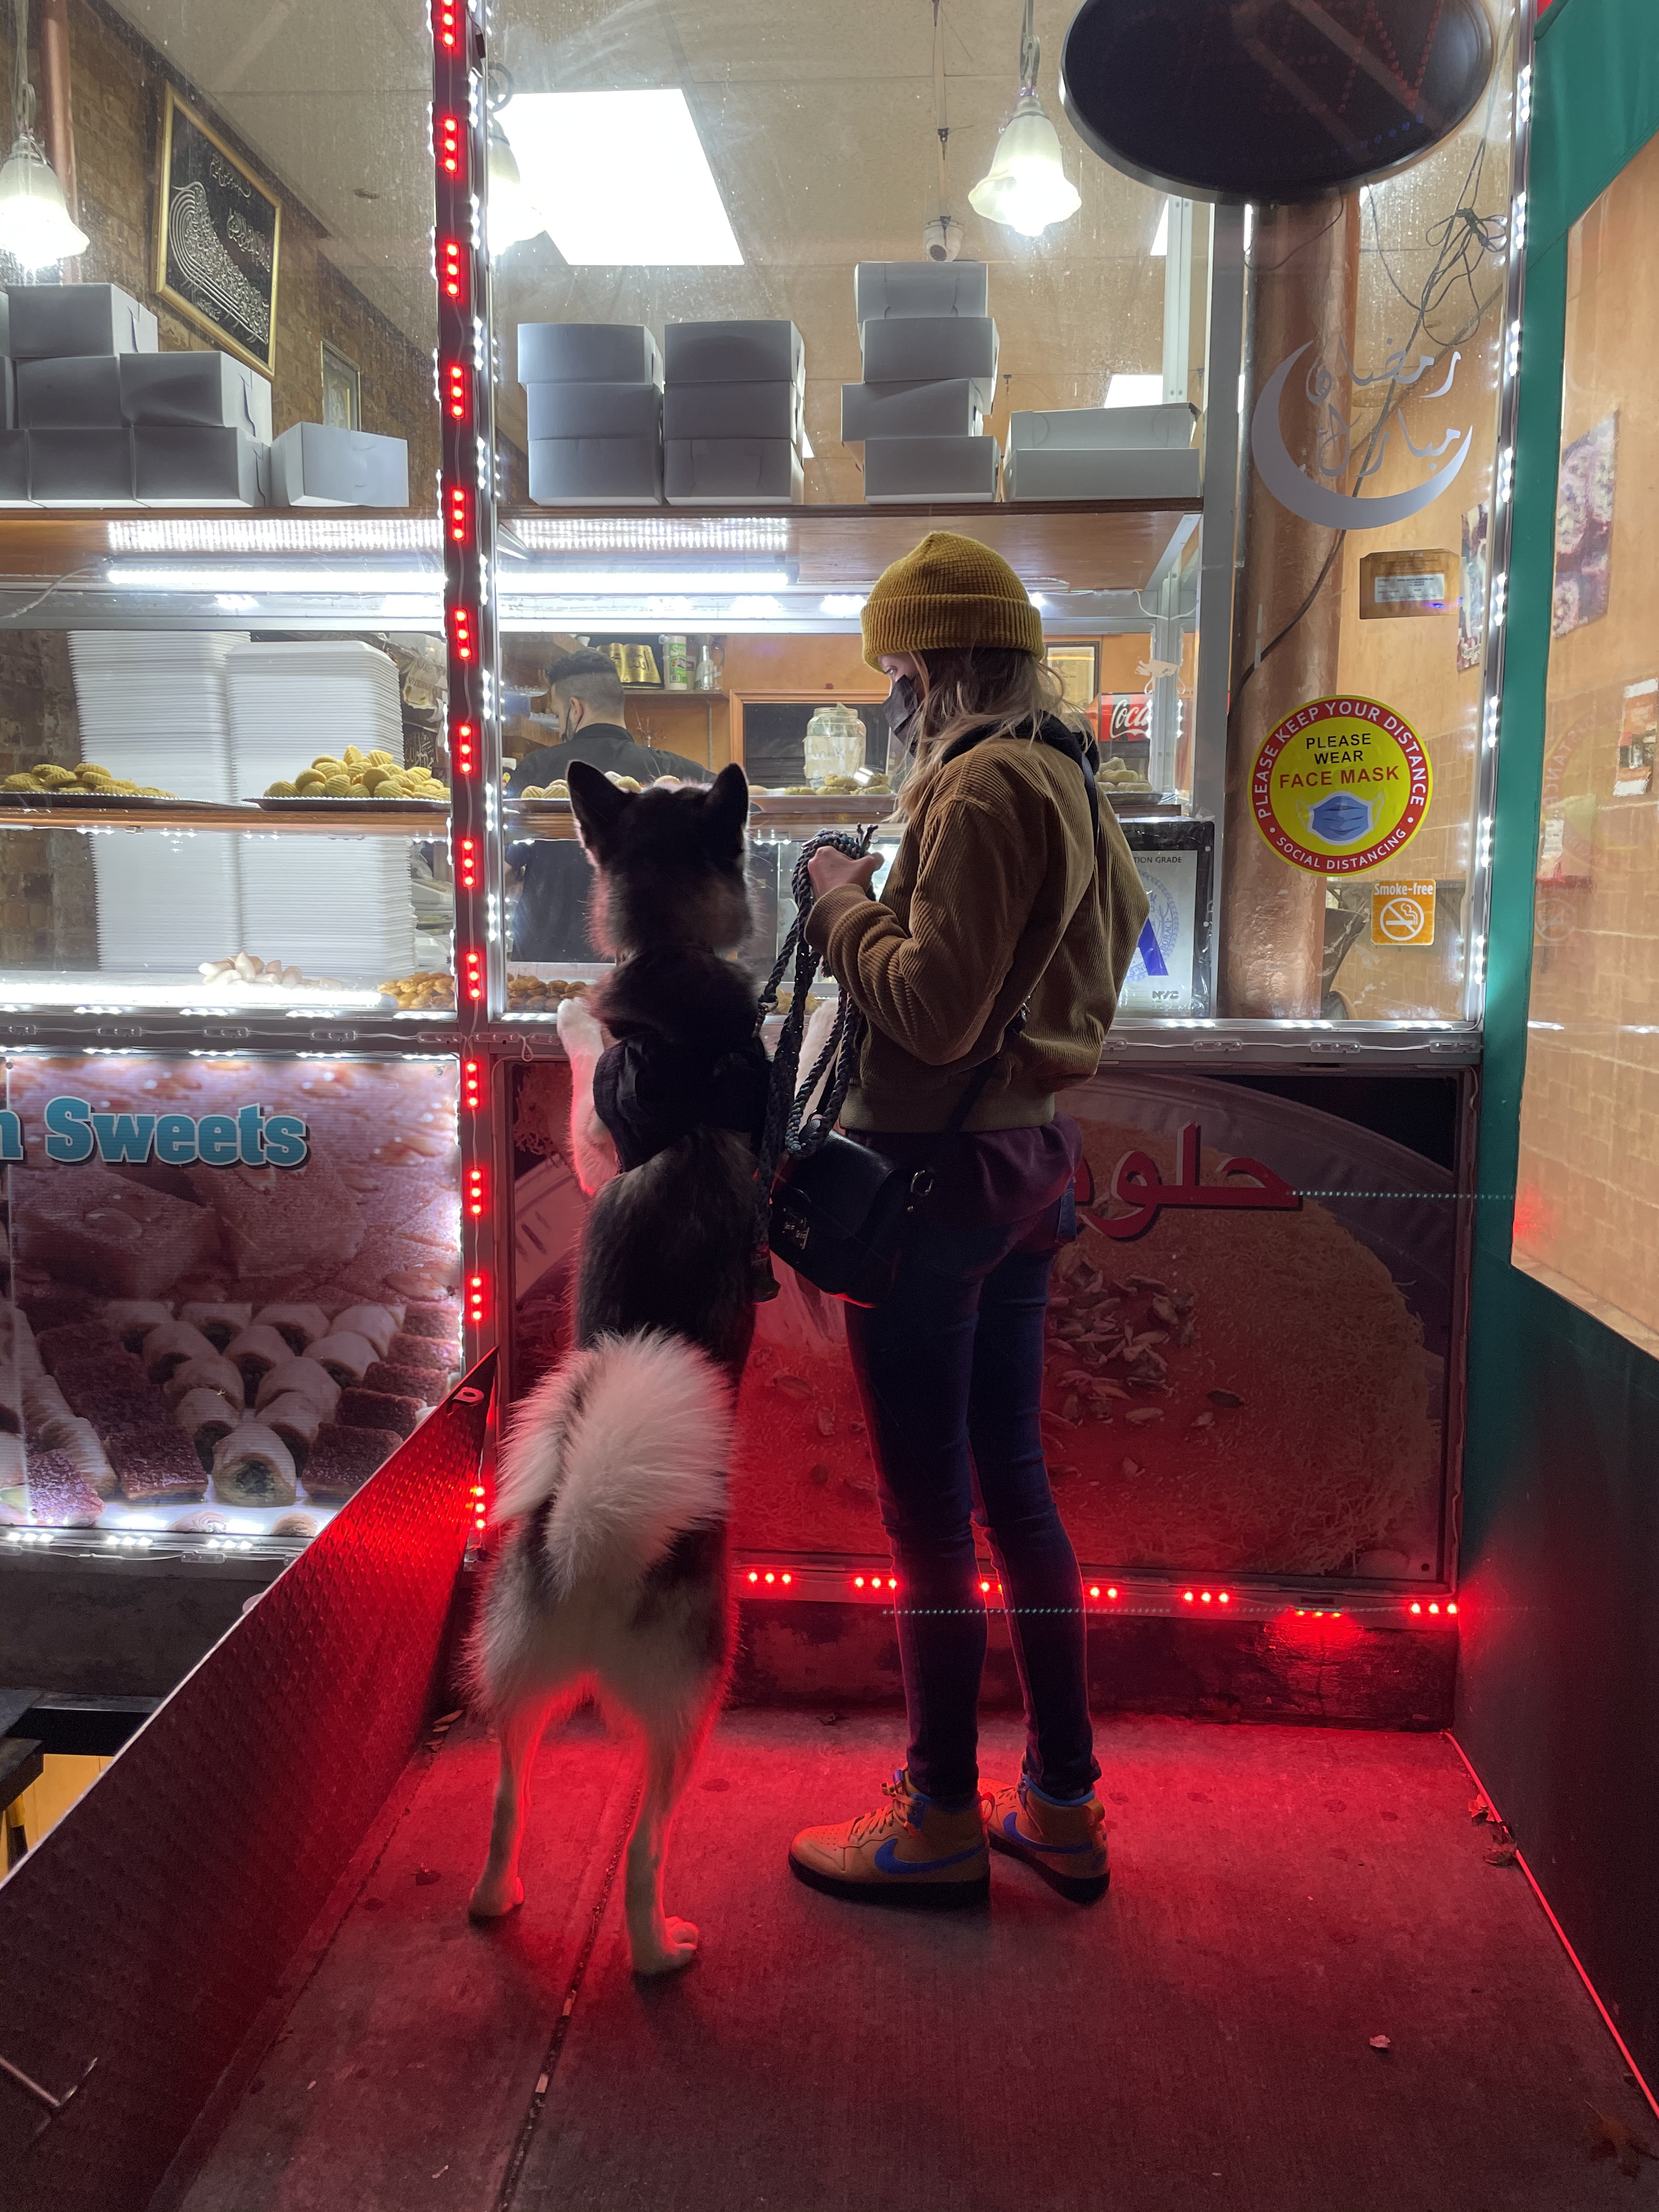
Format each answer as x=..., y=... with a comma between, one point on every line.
x=100, y=418
x=1103, y=453
x=593, y=401
x=733, y=414
x=151, y=706
x=326, y=909
x=929, y=348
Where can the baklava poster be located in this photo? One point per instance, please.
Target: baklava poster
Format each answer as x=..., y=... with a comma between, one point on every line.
x=232, y=1285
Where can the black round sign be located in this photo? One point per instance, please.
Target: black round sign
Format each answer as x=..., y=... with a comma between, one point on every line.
x=1270, y=99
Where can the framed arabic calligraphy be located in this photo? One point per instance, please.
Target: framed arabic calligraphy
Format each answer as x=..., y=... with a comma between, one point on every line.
x=218, y=238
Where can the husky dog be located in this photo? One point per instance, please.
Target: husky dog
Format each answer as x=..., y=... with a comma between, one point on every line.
x=615, y=1467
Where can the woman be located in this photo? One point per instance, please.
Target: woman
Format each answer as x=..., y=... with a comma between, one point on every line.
x=1005, y=895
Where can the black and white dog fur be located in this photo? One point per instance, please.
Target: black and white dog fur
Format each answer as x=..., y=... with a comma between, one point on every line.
x=615, y=1469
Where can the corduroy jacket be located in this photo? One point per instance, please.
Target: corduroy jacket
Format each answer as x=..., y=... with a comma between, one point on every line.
x=999, y=892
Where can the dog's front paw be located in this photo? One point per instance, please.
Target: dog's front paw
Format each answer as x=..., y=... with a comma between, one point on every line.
x=493, y=1898
x=578, y=1033
x=667, y=1950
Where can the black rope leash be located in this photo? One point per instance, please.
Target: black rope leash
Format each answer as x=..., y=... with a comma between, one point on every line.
x=787, y=1129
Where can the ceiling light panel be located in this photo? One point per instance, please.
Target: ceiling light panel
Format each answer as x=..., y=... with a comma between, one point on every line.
x=623, y=179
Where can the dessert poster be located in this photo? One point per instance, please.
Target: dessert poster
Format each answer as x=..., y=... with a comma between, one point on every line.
x=1246, y=1368
x=232, y=1285
x=1472, y=600
x=1584, y=527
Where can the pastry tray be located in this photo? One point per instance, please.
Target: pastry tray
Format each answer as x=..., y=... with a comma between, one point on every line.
x=429, y=809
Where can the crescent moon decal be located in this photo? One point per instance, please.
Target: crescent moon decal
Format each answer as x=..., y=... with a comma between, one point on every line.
x=1336, y=510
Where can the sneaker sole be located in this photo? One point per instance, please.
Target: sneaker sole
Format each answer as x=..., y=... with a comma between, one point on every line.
x=919, y=1896
x=1081, y=1889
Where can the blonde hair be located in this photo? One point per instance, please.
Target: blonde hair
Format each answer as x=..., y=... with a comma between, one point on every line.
x=995, y=689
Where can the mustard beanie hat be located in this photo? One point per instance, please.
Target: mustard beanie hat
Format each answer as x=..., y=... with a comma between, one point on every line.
x=951, y=590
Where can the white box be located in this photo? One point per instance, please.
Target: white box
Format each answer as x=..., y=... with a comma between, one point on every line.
x=593, y=410
x=191, y=389
x=198, y=464
x=81, y=392
x=80, y=468
x=596, y=471
x=954, y=407
x=14, y=468
x=718, y=471
x=929, y=468
x=923, y=348
x=48, y=321
x=1104, y=429
x=881, y=288
x=768, y=351
x=587, y=353
x=1054, y=473
x=776, y=408
x=314, y=465
x=5, y=325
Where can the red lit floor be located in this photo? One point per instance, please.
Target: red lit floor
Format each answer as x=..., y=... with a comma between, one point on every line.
x=1202, y=2036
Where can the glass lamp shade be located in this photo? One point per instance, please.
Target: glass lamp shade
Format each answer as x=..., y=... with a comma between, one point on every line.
x=1026, y=187
x=513, y=216
x=35, y=225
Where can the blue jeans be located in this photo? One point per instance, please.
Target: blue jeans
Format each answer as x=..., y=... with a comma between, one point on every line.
x=950, y=1369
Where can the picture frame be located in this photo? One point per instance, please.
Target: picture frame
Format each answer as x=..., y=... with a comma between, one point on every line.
x=1078, y=666
x=342, y=389
x=218, y=238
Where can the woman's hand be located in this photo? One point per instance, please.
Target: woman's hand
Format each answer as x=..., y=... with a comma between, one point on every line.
x=828, y=870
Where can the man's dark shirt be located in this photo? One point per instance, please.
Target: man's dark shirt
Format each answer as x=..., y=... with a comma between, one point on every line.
x=552, y=920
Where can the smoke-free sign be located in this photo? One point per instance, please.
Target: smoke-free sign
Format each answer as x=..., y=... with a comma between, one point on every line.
x=1341, y=785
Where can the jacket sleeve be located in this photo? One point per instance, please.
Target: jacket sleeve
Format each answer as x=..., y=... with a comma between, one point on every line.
x=932, y=987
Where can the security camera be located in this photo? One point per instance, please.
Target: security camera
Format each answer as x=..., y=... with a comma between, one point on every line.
x=943, y=239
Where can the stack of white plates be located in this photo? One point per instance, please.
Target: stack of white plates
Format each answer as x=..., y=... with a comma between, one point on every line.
x=292, y=701
x=340, y=908
x=152, y=706
x=166, y=902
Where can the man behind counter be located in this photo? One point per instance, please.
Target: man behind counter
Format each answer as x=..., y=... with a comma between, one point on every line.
x=552, y=920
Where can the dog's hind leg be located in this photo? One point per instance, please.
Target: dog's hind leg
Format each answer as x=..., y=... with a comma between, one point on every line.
x=594, y=1155
x=499, y=1889
x=659, y=1943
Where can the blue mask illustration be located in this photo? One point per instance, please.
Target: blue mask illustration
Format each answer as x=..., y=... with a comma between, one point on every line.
x=1342, y=819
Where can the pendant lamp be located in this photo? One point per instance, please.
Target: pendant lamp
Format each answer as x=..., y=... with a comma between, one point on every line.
x=513, y=215
x=1026, y=187
x=36, y=228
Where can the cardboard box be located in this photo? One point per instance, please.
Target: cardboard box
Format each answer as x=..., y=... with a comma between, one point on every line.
x=588, y=353
x=80, y=468
x=1054, y=473
x=14, y=468
x=764, y=352
x=924, y=348
x=50, y=321
x=776, y=408
x=954, y=407
x=593, y=410
x=84, y=392
x=930, y=468
x=717, y=471
x=205, y=390
x=881, y=288
x=314, y=465
x=201, y=464
x=596, y=471
x=1104, y=429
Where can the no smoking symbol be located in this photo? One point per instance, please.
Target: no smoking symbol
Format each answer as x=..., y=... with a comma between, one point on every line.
x=1401, y=919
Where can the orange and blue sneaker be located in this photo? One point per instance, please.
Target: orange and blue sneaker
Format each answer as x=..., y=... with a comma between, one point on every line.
x=1064, y=1843
x=910, y=1852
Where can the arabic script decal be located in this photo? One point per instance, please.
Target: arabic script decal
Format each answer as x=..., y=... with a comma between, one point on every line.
x=1138, y=1184
x=1293, y=486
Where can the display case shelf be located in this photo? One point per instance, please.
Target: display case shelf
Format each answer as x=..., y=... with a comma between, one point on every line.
x=189, y=817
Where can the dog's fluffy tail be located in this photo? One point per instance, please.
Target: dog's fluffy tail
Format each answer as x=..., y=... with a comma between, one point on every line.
x=630, y=1440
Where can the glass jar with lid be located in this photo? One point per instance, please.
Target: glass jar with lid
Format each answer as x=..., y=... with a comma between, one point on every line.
x=835, y=746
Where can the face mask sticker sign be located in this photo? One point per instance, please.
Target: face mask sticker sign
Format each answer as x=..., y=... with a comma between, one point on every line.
x=1341, y=785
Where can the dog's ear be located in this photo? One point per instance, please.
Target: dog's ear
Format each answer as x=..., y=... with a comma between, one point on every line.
x=726, y=813
x=597, y=803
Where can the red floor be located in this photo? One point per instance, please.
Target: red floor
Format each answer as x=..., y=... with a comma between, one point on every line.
x=1281, y=1897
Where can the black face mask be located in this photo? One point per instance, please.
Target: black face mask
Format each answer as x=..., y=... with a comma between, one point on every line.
x=903, y=711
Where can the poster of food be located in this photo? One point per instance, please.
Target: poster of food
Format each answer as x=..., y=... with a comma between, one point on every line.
x=1472, y=600
x=233, y=1286
x=1638, y=738
x=1247, y=1367
x=1584, y=527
